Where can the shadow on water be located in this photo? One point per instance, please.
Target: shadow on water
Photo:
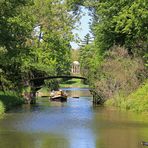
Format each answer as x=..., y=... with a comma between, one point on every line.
x=75, y=123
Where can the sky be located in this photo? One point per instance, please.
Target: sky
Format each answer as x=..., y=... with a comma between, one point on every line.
x=83, y=28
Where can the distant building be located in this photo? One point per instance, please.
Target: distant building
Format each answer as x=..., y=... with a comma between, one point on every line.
x=75, y=67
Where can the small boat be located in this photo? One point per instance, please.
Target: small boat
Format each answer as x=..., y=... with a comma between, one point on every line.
x=58, y=96
x=75, y=96
x=144, y=143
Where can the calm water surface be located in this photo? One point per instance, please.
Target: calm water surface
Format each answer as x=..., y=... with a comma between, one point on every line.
x=74, y=124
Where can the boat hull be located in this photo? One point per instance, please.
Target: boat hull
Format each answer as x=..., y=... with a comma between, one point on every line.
x=59, y=98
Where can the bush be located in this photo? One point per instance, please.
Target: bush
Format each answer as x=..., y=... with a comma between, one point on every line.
x=119, y=73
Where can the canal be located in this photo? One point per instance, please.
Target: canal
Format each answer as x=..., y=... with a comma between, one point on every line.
x=73, y=124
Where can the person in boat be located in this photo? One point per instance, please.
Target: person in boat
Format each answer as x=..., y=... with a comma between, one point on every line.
x=52, y=93
x=61, y=92
x=58, y=93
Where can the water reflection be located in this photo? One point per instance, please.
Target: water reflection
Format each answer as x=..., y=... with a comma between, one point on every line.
x=77, y=92
x=74, y=124
x=25, y=140
x=119, y=129
x=81, y=134
x=82, y=138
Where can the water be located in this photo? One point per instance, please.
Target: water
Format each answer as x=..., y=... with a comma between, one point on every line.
x=74, y=124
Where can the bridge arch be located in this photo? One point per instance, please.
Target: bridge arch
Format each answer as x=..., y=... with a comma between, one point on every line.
x=36, y=84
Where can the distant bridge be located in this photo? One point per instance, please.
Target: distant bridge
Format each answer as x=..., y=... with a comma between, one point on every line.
x=37, y=83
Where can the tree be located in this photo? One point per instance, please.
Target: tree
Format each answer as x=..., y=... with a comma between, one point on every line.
x=111, y=69
x=122, y=23
x=87, y=39
x=23, y=55
x=56, y=24
x=16, y=27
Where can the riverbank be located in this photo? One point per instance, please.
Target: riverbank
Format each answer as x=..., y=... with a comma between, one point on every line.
x=117, y=78
x=8, y=100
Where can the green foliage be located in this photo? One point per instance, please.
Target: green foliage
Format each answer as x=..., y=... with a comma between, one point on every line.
x=74, y=55
x=15, y=24
x=9, y=100
x=118, y=101
x=116, y=63
x=56, y=24
x=137, y=101
x=16, y=27
x=116, y=73
x=132, y=22
x=22, y=54
x=90, y=60
x=121, y=23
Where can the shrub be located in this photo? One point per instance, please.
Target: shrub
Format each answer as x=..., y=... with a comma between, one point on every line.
x=119, y=73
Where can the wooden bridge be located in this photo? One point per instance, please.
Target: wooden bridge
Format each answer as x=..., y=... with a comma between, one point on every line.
x=37, y=83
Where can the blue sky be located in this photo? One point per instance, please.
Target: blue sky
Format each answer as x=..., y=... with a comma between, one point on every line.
x=83, y=28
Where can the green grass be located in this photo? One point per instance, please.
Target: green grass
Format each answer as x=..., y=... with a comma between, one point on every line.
x=44, y=91
x=2, y=109
x=73, y=83
x=137, y=101
x=9, y=100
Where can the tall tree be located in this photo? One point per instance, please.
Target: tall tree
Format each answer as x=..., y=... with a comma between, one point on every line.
x=87, y=40
x=35, y=39
x=16, y=26
x=122, y=23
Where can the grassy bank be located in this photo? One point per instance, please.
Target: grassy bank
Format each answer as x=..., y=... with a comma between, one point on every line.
x=2, y=109
x=44, y=92
x=73, y=83
x=137, y=101
x=8, y=100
